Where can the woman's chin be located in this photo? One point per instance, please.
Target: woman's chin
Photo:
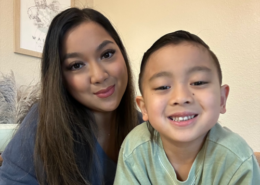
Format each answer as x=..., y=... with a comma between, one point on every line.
x=108, y=107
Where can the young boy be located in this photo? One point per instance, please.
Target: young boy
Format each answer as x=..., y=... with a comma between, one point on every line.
x=181, y=142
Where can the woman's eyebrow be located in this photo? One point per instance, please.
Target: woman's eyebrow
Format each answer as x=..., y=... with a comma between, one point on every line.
x=72, y=55
x=103, y=44
x=78, y=55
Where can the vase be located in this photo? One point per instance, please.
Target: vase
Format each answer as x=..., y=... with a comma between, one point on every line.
x=7, y=131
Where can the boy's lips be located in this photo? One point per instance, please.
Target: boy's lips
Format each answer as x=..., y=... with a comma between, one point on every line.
x=182, y=119
x=104, y=93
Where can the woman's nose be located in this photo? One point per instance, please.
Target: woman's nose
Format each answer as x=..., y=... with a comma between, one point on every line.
x=98, y=73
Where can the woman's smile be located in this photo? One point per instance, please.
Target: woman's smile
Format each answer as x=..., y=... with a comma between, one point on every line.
x=104, y=93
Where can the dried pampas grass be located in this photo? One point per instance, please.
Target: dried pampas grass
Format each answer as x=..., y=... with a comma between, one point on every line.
x=15, y=102
x=26, y=97
x=8, y=93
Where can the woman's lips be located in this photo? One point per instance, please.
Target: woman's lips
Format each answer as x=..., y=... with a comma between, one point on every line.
x=104, y=93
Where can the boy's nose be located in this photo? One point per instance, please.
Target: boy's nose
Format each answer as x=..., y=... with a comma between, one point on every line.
x=98, y=74
x=181, y=95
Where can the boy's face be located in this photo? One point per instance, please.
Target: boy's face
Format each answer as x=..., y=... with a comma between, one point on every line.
x=182, y=96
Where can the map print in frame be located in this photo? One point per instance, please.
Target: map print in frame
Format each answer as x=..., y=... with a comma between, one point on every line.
x=32, y=21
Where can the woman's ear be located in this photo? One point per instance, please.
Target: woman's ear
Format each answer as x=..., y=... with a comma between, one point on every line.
x=141, y=104
x=224, y=95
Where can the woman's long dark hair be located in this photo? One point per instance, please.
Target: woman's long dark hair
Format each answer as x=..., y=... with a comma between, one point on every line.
x=66, y=127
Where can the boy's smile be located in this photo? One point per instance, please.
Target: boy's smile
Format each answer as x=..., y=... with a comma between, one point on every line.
x=182, y=95
x=183, y=119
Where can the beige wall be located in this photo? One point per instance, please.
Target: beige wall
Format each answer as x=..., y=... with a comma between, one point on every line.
x=232, y=30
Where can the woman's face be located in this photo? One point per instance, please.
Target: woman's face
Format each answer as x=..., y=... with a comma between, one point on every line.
x=93, y=67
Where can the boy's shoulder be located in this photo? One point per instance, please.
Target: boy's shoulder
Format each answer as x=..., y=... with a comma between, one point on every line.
x=139, y=136
x=229, y=141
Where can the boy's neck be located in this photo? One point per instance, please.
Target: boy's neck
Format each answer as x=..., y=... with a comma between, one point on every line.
x=182, y=155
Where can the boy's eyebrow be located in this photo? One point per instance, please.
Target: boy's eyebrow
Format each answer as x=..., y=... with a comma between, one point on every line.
x=168, y=74
x=79, y=55
x=160, y=74
x=199, y=68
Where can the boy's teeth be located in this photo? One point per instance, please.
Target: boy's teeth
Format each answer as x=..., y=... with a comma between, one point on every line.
x=185, y=118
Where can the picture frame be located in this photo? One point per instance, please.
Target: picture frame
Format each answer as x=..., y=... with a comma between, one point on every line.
x=31, y=22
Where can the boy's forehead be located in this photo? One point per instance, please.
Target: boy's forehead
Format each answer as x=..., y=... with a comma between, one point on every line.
x=181, y=51
x=187, y=57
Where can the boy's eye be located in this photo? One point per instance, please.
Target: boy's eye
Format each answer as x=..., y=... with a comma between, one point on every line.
x=199, y=83
x=108, y=54
x=163, y=88
x=76, y=66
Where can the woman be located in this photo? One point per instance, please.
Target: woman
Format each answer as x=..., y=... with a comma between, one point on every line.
x=73, y=135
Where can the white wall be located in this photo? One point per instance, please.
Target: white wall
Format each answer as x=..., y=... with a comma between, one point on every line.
x=232, y=30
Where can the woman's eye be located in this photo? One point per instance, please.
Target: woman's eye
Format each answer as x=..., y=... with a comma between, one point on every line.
x=108, y=54
x=163, y=88
x=76, y=66
x=199, y=83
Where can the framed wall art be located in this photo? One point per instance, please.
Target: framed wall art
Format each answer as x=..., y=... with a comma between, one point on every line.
x=32, y=19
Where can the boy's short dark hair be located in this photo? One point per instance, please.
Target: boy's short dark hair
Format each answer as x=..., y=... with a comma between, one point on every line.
x=176, y=38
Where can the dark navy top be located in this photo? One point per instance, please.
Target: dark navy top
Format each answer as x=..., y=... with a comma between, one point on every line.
x=18, y=166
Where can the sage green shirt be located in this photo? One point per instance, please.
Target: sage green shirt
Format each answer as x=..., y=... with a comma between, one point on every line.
x=224, y=159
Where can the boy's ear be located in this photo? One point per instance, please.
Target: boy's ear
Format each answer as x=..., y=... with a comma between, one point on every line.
x=224, y=95
x=141, y=104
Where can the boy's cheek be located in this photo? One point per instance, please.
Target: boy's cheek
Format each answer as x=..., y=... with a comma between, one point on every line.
x=209, y=100
x=212, y=95
x=155, y=110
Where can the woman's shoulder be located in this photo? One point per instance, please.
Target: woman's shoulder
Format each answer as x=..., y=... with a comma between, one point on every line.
x=28, y=127
x=32, y=115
